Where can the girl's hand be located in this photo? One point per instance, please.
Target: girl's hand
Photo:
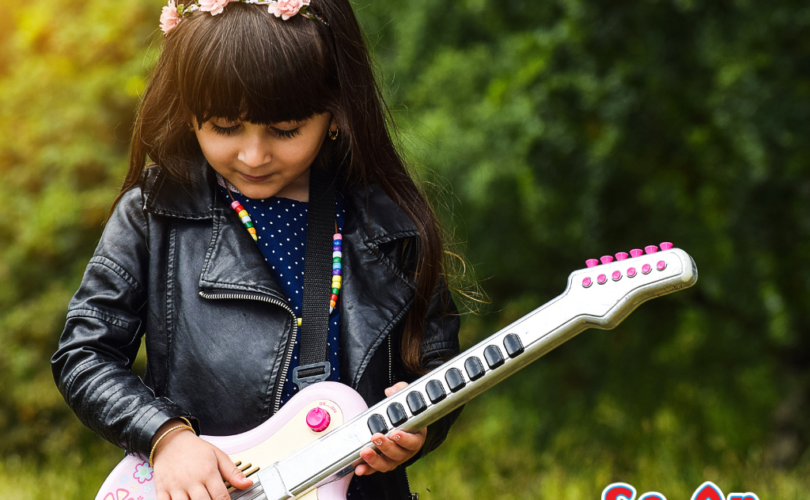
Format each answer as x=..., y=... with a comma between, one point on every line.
x=395, y=449
x=188, y=468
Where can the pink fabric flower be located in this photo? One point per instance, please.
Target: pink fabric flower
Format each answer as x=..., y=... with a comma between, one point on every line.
x=169, y=18
x=213, y=6
x=285, y=9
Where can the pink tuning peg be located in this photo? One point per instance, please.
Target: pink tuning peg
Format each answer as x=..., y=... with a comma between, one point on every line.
x=650, y=249
x=606, y=259
x=622, y=255
x=591, y=262
x=636, y=252
x=665, y=245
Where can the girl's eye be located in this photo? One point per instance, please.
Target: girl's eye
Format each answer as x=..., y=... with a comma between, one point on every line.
x=225, y=130
x=286, y=134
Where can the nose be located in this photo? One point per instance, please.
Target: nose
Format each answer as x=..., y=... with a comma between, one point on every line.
x=254, y=152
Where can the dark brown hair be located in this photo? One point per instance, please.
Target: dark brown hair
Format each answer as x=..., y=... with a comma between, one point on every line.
x=247, y=64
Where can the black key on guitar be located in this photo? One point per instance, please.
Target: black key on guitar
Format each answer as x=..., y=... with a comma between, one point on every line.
x=455, y=380
x=396, y=414
x=435, y=391
x=513, y=345
x=376, y=424
x=475, y=369
x=493, y=356
x=416, y=402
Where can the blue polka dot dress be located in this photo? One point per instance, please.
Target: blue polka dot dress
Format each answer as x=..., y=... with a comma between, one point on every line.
x=281, y=229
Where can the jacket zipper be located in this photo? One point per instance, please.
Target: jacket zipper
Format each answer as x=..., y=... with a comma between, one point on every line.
x=390, y=369
x=288, y=348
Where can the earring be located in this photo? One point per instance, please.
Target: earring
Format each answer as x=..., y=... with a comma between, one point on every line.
x=334, y=135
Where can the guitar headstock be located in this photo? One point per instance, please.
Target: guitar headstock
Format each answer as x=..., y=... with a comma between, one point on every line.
x=612, y=287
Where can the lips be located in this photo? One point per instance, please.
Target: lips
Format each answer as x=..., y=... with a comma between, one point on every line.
x=250, y=178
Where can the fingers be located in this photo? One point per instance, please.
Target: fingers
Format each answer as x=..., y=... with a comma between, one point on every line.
x=230, y=472
x=409, y=441
x=216, y=489
x=375, y=462
x=199, y=492
x=395, y=388
x=395, y=450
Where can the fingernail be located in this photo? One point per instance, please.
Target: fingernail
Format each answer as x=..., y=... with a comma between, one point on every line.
x=366, y=456
x=396, y=437
x=378, y=442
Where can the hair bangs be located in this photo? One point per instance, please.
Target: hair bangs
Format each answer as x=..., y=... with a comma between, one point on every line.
x=275, y=71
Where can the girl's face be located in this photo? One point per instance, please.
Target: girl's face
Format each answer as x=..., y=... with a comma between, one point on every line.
x=263, y=161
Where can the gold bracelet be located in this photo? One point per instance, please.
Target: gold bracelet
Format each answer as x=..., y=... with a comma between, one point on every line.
x=154, y=446
x=188, y=423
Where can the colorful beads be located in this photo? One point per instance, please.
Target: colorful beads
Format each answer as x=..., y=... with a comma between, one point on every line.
x=245, y=218
x=337, y=254
x=337, y=279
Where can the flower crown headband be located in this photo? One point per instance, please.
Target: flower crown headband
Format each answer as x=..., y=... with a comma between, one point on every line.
x=285, y=9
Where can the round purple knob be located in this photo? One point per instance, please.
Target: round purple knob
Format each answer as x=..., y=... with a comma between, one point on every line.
x=606, y=259
x=622, y=255
x=636, y=252
x=318, y=419
x=665, y=245
x=650, y=249
x=591, y=262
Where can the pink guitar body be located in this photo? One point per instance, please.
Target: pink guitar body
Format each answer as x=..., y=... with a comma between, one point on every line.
x=272, y=441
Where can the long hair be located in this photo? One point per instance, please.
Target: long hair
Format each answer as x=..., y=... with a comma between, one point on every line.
x=246, y=64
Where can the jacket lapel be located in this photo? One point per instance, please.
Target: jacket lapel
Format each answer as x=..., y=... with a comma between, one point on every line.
x=233, y=261
x=376, y=295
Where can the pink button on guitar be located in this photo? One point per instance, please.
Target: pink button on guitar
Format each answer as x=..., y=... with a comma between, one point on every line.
x=586, y=283
x=636, y=252
x=646, y=268
x=617, y=275
x=606, y=259
x=591, y=262
x=318, y=419
x=665, y=245
x=661, y=265
x=631, y=272
x=601, y=279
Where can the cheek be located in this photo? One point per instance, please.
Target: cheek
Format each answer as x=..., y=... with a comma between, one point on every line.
x=299, y=152
x=215, y=148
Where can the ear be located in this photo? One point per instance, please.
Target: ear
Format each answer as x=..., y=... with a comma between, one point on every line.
x=337, y=118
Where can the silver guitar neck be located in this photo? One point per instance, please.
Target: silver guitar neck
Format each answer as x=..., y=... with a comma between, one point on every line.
x=601, y=304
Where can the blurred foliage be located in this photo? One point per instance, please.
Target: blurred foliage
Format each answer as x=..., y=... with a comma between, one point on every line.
x=553, y=131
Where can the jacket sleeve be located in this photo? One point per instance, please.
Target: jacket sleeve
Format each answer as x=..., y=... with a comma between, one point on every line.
x=105, y=322
x=440, y=344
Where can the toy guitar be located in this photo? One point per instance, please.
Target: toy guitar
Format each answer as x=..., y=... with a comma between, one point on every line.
x=309, y=448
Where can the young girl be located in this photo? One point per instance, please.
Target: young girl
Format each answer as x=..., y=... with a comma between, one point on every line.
x=203, y=254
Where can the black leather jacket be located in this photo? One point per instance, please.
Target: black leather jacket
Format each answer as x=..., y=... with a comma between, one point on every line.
x=176, y=266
